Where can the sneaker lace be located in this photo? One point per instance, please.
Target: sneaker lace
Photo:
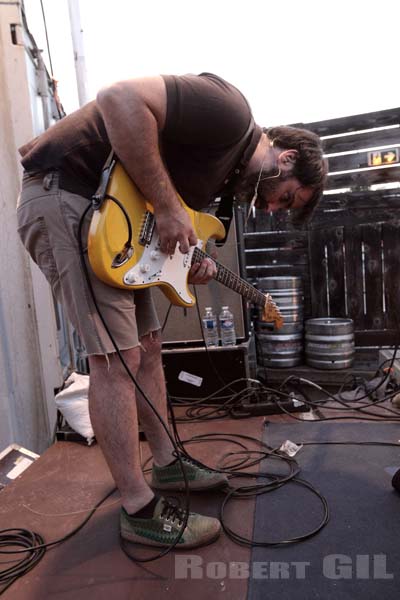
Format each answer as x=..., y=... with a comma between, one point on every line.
x=172, y=512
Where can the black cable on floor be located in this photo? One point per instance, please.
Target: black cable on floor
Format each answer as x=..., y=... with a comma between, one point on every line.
x=22, y=541
x=272, y=483
x=257, y=490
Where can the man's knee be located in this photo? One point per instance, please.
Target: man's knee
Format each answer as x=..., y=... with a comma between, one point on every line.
x=110, y=365
x=151, y=344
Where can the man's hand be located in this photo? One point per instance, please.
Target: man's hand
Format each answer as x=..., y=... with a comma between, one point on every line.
x=175, y=227
x=202, y=272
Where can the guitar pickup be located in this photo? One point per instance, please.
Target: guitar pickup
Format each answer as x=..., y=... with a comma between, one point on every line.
x=146, y=232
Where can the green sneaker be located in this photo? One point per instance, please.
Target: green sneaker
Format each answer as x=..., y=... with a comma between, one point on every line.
x=163, y=528
x=199, y=477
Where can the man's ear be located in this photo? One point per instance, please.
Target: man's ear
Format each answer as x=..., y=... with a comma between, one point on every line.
x=287, y=159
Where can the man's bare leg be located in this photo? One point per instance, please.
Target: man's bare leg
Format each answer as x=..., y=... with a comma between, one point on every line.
x=151, y=379
x=113, y=415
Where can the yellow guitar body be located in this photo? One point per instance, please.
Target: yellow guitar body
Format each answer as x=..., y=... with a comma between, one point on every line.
x=143, y=265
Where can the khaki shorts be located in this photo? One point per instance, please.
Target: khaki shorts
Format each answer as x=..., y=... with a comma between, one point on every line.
x=48, y=219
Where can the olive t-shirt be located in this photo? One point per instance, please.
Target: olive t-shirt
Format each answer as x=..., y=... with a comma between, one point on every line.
x=209, y=135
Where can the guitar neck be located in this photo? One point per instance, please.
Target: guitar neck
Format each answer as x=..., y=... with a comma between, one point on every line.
x=229, y=279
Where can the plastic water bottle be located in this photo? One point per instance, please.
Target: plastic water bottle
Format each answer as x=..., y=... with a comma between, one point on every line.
x=227, y=326
x=210, y=327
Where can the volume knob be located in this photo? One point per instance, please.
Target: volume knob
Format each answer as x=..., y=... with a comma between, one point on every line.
x=144, y=268
x=154, y=255
x=130, y=278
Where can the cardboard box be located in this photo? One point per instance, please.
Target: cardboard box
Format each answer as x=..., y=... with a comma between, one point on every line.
x=14, y=460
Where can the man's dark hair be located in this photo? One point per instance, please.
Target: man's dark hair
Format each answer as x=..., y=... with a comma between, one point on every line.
x=310, y=168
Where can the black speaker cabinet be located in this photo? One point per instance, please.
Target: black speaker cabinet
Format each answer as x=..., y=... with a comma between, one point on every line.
x=183, y=325
x=197, y=372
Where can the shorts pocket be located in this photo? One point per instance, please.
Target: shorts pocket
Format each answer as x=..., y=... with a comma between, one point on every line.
x=35, y=238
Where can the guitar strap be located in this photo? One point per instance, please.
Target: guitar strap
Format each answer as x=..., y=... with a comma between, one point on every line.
x=100, y=194
x=224, y=211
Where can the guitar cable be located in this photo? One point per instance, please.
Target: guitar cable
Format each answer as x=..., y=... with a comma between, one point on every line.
x=138, y=387
x=34, y=545
x=31, y=544
x=121, y=256
x=177, y=443
x=180, y=449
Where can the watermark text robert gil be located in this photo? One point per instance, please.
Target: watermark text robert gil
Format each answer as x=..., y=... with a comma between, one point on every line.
x=333, y=566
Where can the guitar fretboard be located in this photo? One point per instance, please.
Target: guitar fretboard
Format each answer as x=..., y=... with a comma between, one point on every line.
x=232, y=281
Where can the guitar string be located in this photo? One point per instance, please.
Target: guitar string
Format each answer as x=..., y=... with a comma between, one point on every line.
x=230, y=279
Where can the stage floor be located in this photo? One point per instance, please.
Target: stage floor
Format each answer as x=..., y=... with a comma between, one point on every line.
x=70, y=477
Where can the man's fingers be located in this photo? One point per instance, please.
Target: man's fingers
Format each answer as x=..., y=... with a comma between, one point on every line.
x=184, y=246
x=192, y=239
x=175, y=228
x=203, y=272
x=166, y=246
x=186, y=242
x=168, y=243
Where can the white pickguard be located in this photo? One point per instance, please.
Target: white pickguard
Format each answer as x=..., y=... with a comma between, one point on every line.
x=157, y=267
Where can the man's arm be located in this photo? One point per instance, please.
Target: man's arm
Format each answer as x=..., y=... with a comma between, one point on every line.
x=134, y=114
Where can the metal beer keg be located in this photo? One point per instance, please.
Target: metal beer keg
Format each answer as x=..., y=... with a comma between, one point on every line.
x=283, y=347
x=329, y=343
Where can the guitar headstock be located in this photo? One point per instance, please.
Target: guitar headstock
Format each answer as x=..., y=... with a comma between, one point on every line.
x=271, y=313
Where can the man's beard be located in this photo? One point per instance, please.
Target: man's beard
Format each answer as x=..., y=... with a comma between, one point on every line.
x=246, y=187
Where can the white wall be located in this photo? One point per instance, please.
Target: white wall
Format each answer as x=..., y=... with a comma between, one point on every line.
x=29, y=368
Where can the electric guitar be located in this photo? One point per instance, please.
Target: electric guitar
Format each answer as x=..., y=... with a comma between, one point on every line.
x=124, y=248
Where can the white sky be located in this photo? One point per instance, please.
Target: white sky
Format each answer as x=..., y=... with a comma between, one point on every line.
x=295, y=60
